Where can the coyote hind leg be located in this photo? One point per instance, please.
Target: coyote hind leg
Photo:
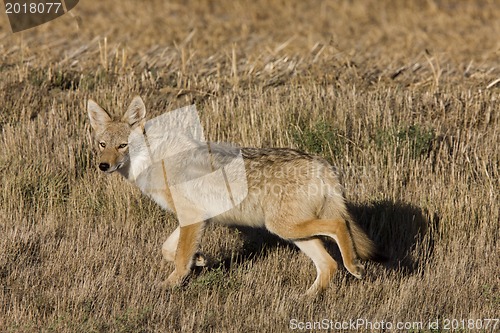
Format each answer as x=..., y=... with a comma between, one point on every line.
x=325, y=265
x=334, y=228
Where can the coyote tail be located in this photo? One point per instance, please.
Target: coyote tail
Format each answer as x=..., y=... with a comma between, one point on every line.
x=364, y=246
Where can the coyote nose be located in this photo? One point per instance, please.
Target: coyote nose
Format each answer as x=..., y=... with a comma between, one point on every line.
x=104, y=166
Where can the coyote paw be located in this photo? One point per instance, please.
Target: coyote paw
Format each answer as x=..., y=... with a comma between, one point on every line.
x=174, y=280
x=357, y=270
x=312, y=292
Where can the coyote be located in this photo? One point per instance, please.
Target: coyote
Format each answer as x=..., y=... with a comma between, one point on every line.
x=293, y=195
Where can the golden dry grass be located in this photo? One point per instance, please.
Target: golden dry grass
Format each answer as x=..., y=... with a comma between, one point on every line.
x=401, y=96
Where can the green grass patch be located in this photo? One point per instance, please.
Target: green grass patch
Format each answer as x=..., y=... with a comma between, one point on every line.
x=320, y=138
x=216, y=278
x=415, y=139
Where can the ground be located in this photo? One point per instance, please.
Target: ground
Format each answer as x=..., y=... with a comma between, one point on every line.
x=402, y=97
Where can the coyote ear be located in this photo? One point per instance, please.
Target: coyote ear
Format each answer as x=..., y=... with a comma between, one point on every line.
x=136, y=112
x=99, y=118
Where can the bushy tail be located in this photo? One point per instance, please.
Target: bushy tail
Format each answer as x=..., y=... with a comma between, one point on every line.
x=335, y=207
x=364, y=246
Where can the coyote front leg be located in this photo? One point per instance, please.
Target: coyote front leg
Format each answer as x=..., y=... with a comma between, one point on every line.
x=187, y=244
x=169, y=248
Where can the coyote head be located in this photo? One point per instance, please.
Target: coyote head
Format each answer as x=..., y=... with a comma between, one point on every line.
x=112, y=135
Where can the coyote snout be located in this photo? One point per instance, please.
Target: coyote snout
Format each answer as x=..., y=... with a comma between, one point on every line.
x=292, y=194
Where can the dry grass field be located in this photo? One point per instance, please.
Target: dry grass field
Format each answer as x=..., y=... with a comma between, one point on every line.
x=401, y=96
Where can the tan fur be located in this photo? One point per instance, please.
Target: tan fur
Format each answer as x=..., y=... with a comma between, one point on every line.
x=186, y=248
x=290, y=193
x=325, y=265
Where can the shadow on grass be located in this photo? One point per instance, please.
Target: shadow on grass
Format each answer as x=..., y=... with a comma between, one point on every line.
x=400, y=231
x=257, y=243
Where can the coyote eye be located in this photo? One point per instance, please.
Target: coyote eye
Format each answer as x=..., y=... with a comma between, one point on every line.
x=123, y=145
x=102, y=144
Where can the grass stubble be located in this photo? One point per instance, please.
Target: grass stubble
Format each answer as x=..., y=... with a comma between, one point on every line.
x=400, y=96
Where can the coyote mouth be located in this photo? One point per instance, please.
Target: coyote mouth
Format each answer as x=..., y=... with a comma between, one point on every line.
x=116, y=168
x=119, y=165
x=106, y=168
